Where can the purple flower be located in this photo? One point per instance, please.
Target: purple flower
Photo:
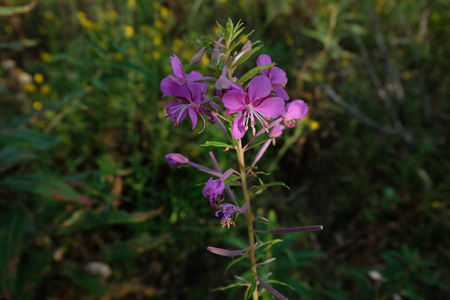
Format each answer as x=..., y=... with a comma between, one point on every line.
x=192, y=98
x=276, y=76
x=295, y=110
x=226, y=211
x=252, y=104
x=214, y=191
x=176, y=159
x=247, y=47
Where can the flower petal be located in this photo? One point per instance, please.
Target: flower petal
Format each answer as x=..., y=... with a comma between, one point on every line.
x=234, y=100
x=258, y=88
x=173, y=88
x=263, y=59
x=239, y=127
x=271, y=107
x=281, y=92
x=297, y=109
x=177, y=67
x=193, y=116
x=278, y=77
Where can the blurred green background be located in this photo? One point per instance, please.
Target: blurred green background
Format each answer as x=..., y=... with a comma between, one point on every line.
x=89, y=208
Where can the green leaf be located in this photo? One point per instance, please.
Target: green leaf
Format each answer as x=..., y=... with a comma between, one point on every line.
x=6, y=11
x=236, y=260
x=254, y=190
x=237, y=284
x=246, y=56
x=9, y=156
x=133, y=247
x=19, y=45
x=27, y=137
x=250, y=74
x=13, y=225
x=30, y=273
x=216, y=144
x=89, y=218
x=41, y=185
x=89, y=282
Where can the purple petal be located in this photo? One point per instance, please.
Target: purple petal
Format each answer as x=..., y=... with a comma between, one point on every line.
x=293, y=229
x=278, y=77
x=222, y=83
x=258, y=88
x=263, y=59
x=234, y=100
x=281, y=92
x=239, y=127
x=173, y=88
x=193, y=116
x=297, y=109
x=176, y=159
x=226, y=252
x=277, y=130
x=247, y=47
x=271, y=107
x=177, y=67
x=271, y=290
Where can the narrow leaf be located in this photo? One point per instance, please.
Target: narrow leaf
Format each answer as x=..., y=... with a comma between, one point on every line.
x=293, y=229
x=216, y=144
x=12, y=10
x=245, y=56
x=250, y=74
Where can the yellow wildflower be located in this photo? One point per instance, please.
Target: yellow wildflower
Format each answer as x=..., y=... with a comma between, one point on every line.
x=314, y=125
x=37, y=105
x=156, y=55
x=30, y=87
x=48, y=14
x=289, y=41
x=128, y=31
x=131, y=4
x=45, y=56
x=317, y=76
x=435, y=204
x=205, y=60
x=132, y=51
x=222, y=1
x=96, y=26
x=164, y=12
x=157, y=39
x=118, y=56
x=299, y=52
x=158, y=24
x=144, y=27
x=38, y=77
x=112, y=14
x=45, y=89
x=81, y=15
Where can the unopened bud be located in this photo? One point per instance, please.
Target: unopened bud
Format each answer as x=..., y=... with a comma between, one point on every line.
x=197, y=58
x=176, y=159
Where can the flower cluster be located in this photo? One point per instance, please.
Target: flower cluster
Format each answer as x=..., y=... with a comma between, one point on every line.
x=262, y=101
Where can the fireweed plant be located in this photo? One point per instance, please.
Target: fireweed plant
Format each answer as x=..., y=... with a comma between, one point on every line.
x=256, y=102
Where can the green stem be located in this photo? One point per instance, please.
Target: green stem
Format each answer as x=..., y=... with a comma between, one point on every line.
x=248, y=213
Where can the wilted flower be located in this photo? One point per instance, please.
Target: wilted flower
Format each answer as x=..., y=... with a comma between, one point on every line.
x=226, y=211
x=214, y=191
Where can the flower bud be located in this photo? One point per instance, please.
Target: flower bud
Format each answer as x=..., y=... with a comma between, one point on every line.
x=197, y=58
x=176, y=159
